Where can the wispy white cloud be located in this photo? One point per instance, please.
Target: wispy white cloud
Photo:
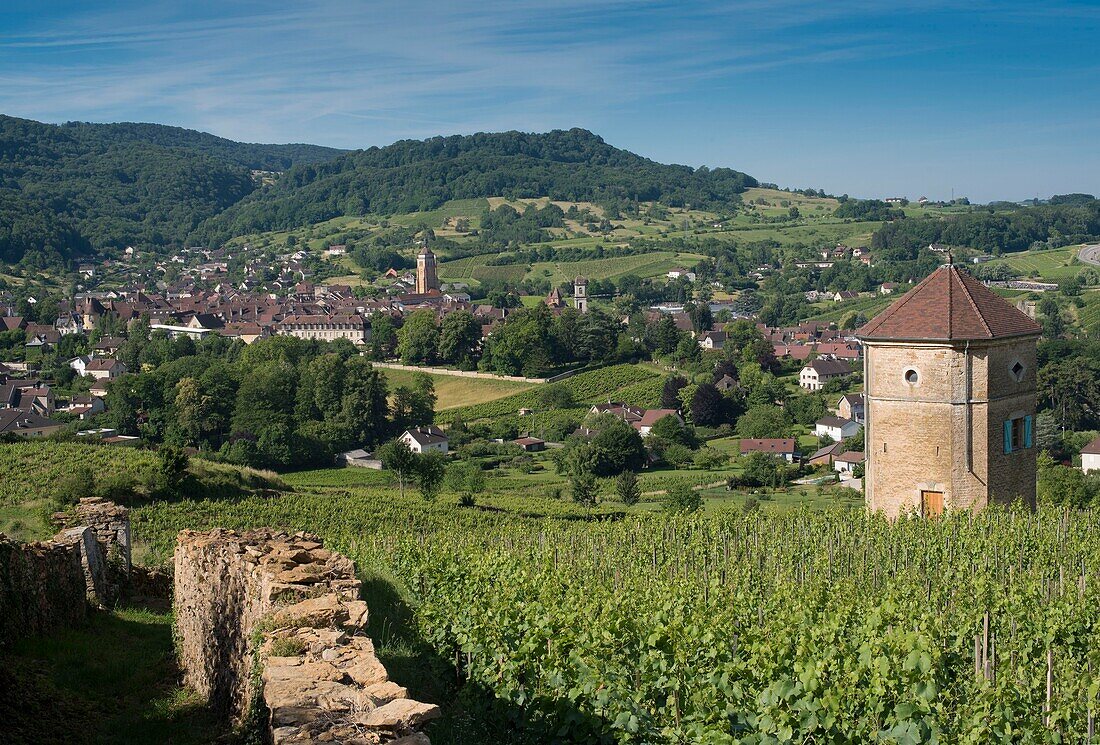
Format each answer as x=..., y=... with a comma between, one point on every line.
x=401, y=67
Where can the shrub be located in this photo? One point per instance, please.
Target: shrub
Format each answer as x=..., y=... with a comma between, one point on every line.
x=683, y=499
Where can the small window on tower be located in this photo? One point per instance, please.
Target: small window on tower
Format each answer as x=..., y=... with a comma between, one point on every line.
x=912, y=377
x=1018, y=371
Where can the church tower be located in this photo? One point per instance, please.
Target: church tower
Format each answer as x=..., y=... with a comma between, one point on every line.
x=426, y=277
x=580, y=294
x=949, y=380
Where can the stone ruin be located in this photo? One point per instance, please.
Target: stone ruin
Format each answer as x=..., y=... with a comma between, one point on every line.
x=47, y=585
x=272, y=617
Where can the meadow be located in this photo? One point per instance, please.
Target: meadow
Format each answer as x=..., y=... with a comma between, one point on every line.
x=453, y=391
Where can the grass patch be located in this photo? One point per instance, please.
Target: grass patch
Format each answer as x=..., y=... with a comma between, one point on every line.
x=111, y=681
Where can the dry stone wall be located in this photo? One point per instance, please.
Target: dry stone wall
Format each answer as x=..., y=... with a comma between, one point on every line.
x=42, y=588
x=275, y=617
x=48, y=585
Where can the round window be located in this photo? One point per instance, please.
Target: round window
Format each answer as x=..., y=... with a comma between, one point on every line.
x=911, y=377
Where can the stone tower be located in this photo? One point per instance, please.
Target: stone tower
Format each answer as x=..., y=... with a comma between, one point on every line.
x=426, y=277
x=949, y=378
x=580, y=294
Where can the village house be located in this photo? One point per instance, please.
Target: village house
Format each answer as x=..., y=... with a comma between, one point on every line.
x=104, y=369
x=678, y=272
x=1090, y=456
x=23, y=424
x=824, y=456
x=785, y=448
x=530, y=444
x=836, y=428
x=851, y=406
x=424, y=439
x=359, y=459
x=845, y=463
x=652, y=416
x=726, y=384
x=626, y=412
x=712, y=339
x=815, y=375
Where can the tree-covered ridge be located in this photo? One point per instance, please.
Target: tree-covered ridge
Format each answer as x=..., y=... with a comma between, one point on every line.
x=250, y=155
x=66, y=191
x=412, y=175
x=991, y=232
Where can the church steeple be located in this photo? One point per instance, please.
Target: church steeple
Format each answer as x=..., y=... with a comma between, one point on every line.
x=426, y=278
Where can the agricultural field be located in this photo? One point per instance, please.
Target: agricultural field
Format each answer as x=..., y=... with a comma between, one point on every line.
x=1049, y=266
x=452, y=391
x=770, y=203
x=827, y=626
x=652, y=264
x=586, y=387
x=1088, y=317
x=869, y=306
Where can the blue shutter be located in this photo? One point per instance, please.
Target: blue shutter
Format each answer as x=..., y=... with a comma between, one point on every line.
x=1027, y=431
x=1008, y=436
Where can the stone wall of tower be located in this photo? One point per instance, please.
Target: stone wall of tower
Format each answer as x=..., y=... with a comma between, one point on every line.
x=426, y=273
x=941, y=434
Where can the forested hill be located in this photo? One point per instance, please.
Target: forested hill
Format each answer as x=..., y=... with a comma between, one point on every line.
x=414, y=175
x=249, y=155
x=67, y=191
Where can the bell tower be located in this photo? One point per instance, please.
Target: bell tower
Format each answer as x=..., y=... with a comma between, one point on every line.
x=426, y=277
x=580, y=294
x=949, y=380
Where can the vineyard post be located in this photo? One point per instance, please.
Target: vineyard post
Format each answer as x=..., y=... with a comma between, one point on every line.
x=1050, y=686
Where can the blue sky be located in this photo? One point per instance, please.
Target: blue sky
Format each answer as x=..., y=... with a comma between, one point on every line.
x=996, y=100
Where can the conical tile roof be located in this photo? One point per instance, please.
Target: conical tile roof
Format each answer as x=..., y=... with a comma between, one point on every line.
x=949, y=305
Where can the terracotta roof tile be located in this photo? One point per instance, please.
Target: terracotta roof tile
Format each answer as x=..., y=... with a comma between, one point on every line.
x=949, y=305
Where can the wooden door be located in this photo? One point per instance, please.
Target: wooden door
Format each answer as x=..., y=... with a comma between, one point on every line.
x=931, y=503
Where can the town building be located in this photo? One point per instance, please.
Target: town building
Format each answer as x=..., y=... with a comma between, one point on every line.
x=352, y=327
x=949, y=376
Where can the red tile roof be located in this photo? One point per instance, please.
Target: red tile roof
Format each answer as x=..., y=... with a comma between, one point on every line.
x=1093, y=448
x=949, y=305
x=784, y=446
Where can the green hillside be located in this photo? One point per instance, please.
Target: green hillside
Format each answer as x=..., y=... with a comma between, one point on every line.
x=71, y=190
x=412, y=176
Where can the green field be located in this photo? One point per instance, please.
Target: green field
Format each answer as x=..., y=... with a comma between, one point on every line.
x=652, y=264
x=452, y=391
x=868, y=306
x=1050, y=266
x=1088, y=317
